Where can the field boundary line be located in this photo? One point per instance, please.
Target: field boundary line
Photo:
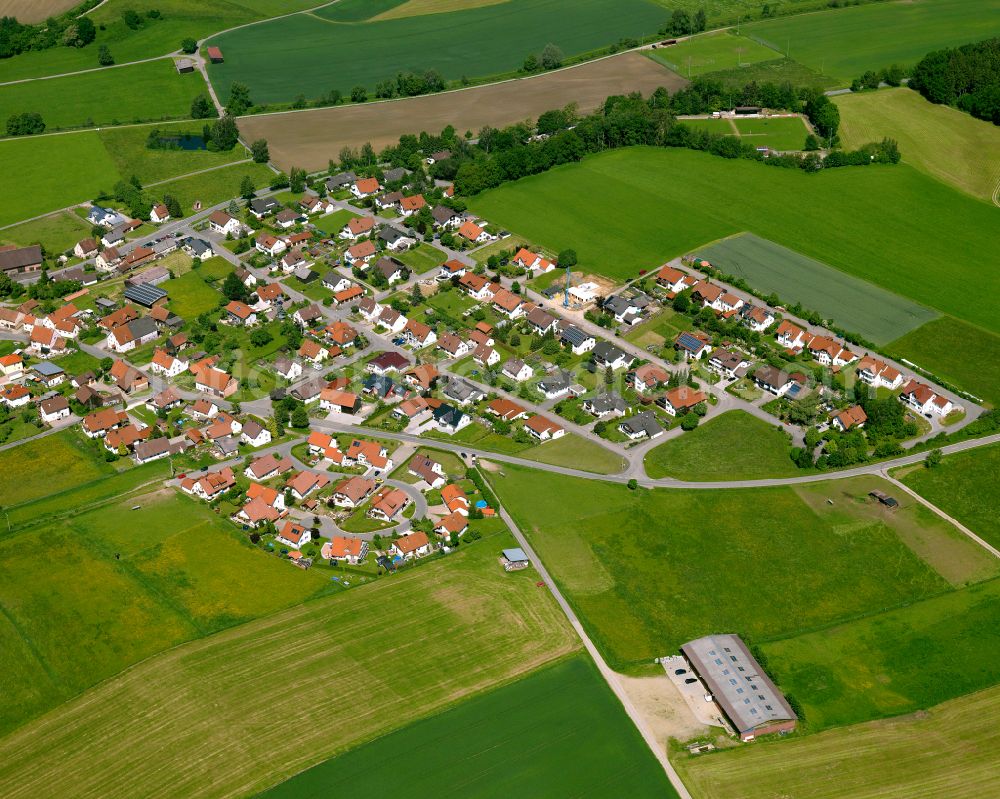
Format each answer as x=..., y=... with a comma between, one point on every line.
x=31, y=645
x=92, y=69
x=932, y=507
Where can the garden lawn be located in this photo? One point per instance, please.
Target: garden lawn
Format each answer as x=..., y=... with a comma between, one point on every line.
x=854, y=304
x=561, y=725
x=129, y=94
x=422, y=259
x=892, y=663
x=77, y=362
x=947, y=751
x=933, y=347
x=924, y=131
x=56, y=233
x=878, y=223
x=191, y=295
x=117, y=585
x=647, y=570
x=732, y=446
x=846, y=42
x=964, y=486
x=45, y=173
x=331, y=224
x=711, y=52
x=488, y=625
x=494, y=40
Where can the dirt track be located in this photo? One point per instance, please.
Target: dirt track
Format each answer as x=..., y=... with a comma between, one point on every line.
x=310, y=138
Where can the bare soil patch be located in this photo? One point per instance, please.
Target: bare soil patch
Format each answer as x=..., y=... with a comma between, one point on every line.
x=663, y=708
x=308, y=139
x=34, y=10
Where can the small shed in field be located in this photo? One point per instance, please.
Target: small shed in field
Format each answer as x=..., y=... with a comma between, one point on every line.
x=214, y=55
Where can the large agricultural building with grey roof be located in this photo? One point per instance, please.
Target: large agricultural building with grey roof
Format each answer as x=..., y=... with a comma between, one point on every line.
x=751, y=702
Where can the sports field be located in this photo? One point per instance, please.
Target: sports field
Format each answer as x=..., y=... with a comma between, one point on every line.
x=949, y=750
x=865, y=221
x=933, y=347
x=475, y=42
x=646, y=573
x=306, y=684
x=964, y=486
x=845, y=42
x=947, y=144
x=561, y=726
x=711, y=52
x=893, y=663
x=708, y=453
x=778, y=133
x=80, y=614
x=304, y=138
x=854, y=304
x=138, y=93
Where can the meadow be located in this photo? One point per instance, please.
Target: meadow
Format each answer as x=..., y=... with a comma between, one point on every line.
x=933, y=347
x=854, y=304
x=865, y=221
x=56, y=233
x=312, y=682
x=562, y=727
x=471, y=43
x=846, y=42
x=179, y=19
x=964, y=486
x=577, y=453
x=107, y=96
x=711, y=52
x=708, y=453
x=949, y=750
x=103, y=586
x=214, y=186
x=905, y=660
x=50, y=465
x=646, y=573
x=52, y=172
x=941, y=141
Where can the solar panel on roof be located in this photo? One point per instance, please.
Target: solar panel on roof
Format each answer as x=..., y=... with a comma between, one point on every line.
x=145, y=294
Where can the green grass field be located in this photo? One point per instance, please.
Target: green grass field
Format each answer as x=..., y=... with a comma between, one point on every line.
x=52, y=172
x=138, y=93
x=85, y=614
x=854, y=304
x=846, y=42
x=459, y=626
x=963, y=486
x=778, y=71
x=711, y=52
x=933, y=347
x=190, y=295
x=473, y=42
x=127, y=147
x=648, y=570
x=898, y=662
x=948, y=751
x=865, y=221
x=215, y=186
x=56, y=233
x=561, y=726
x=926, y=132
x=708, y=452
x=423, y=259
x=577, y=453
x=778, y=133
x=49, y=465
x=179, y=19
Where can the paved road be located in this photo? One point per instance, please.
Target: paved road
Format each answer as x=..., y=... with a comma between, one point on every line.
x=609, y=675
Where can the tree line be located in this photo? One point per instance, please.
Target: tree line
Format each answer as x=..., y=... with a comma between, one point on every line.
x=70, y=29
x=967, y=77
